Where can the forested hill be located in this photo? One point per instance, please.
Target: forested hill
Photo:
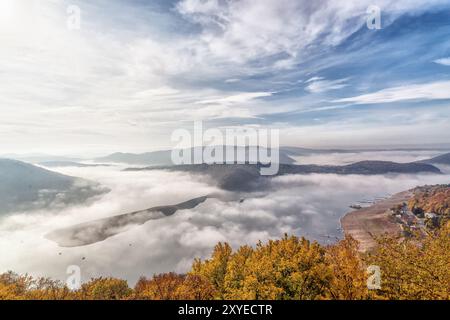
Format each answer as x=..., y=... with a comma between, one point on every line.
x=246, y=177
x=432, y=199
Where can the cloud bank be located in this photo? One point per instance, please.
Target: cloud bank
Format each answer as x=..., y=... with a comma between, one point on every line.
x=309, y=205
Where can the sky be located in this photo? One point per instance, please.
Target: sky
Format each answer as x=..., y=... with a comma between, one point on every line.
x=126, y=74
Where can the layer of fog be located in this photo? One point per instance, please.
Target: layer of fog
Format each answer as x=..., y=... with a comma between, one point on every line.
x=308, y=205
x=351, y=157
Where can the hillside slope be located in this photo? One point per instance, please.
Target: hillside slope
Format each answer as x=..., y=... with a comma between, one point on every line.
x=442, y=159
x=25, y=187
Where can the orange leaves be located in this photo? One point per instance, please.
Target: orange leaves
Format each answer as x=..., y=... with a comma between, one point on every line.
x=172, y=286
x=348, y=272
x=289, y=268
x=417, y=268
x=434, y=199
x=105, y=289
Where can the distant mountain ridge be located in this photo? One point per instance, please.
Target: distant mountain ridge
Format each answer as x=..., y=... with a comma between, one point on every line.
x=246, y=177
x=286, y=155
x=55, y=164
x=164, y=157
x=148, y=158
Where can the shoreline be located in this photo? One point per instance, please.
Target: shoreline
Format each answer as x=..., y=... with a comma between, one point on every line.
x=366, y=223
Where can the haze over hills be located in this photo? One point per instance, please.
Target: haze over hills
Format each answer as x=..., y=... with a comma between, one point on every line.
x=303, y=204
x=246, y=177
x=36, y=158
x=164, y=157
x=299, y=151
x=25, y=187
x=161, y=158
x=51, y=164
x=287, y=155
x=234, y=177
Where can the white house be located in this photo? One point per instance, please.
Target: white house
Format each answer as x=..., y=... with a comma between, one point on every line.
x=430, y=215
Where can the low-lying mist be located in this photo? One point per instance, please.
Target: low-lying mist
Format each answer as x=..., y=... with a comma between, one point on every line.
x=344, y=158
x=304, y=205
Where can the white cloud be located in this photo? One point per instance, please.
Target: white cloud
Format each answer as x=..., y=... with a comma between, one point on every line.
x=314, y=79
x=244, y=31
x=236, y=98
x=443, y=61
x=426, y=91
x=71, y=90
x=318, y=85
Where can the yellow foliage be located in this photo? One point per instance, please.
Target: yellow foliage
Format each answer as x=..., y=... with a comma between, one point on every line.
x=416, y=268
x=285, y=269
x=290, y=268
x=215, y=269
x=172, y=286
x=349, y=277
x=160, y=287
x=104, y=289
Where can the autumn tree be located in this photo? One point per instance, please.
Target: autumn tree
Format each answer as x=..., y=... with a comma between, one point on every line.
x=236, y=273
x=104, y=289
x=160, y=287
x=290, y=268
x=48, y=289
x=347, y=270
x=416, y=267
x=196, y=287
x=214, y=269
x=25, y=287
x=14, y=286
